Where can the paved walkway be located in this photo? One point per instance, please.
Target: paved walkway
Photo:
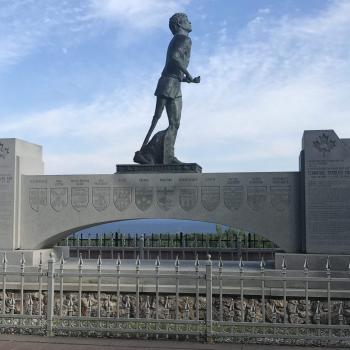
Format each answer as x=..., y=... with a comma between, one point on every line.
x=21, y=342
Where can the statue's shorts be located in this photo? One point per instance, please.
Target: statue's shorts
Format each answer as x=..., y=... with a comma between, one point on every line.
x=168, y=87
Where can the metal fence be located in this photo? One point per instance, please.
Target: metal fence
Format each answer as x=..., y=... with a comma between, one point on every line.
x=166, y=246
x=205, y=302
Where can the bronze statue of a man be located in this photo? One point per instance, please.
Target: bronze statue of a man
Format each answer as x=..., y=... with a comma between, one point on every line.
x=160, y=150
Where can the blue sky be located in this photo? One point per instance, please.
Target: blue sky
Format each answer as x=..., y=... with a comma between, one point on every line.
x=78, y=78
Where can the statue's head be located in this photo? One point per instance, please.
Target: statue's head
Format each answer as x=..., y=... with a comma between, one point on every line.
x=179, y=21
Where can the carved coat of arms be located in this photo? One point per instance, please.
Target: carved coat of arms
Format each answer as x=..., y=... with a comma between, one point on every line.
x=280, y=197
x=210, y=196
x=37, y=198
x=79, y=197
x=233, y=197
x=165, y=197
x=188, y=197
x=101, y=197
x=58, y=198
x=143, y=197
x=122, y=197
x=256, y=197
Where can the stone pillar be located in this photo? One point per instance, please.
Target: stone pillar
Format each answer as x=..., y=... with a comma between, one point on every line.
x=325, y=177
x=17, y=158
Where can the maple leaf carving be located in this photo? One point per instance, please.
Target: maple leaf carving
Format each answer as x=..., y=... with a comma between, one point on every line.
x=324, y=144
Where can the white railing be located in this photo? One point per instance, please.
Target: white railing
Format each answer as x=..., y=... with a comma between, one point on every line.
x=214, y=303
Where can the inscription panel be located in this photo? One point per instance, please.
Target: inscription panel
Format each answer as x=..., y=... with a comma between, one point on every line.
x=327, y=192
x=6, y=200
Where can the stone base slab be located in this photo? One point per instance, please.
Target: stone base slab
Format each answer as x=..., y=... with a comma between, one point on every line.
x=32, y=257
x=316, y=262
x=158, y=168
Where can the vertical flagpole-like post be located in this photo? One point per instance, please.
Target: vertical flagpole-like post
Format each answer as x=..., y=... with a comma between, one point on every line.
x=209, y=298
x=306, y=274
x=22, y=264
x=284, y=273
x=263, y=306
x=50, y=293
x=221, y=311
x=241, y=266
x=99, y=266
x=4, y=271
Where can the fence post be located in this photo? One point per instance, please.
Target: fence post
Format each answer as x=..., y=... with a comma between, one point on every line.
x=141, y=246
x=209, y=299
x=50, y=293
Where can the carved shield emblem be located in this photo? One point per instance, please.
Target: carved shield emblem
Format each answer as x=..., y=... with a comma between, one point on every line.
x=101, y=198
x=210, y=196
x=58, y=198
x=280, y=197
x=233, y=197
x=79, y=197
x=256, y=197
x=188, y=197
x=122, y=197
x=37, y=198
x=165, y=197
x=143, y=197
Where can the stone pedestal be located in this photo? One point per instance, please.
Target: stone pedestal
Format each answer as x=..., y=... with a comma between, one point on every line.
x=158, y=168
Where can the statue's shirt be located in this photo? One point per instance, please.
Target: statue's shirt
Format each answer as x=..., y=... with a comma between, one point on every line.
x=178, y=53
x=179, y=50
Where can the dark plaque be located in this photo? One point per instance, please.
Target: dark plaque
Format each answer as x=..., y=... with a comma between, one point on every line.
x=210, y=196
x=122, y=197
x=37, y=198
x=58, y=198
x=188, y=197
x=233, y=197
x=79, y=197
x=101, y=198
x=166, y=197
x=143, y=197
x=256, y=197
x=280, y=197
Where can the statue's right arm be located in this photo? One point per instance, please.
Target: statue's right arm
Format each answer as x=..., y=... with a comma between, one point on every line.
x=183, y=50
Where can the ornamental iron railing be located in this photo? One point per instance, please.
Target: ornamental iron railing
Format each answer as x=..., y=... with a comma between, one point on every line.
x=204, y=302
x=166, y=246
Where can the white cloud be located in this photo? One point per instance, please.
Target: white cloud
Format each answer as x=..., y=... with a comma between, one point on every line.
x=282, y=76
x=26, y=25
x=137, y=14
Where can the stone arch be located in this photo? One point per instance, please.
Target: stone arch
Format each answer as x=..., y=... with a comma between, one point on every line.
x=49, y=242
x=55, y=206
